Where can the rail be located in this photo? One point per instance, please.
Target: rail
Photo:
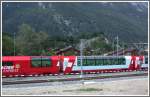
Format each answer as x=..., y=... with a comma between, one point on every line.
x=75, y=78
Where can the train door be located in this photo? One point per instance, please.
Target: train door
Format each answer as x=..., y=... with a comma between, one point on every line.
x=61, y=59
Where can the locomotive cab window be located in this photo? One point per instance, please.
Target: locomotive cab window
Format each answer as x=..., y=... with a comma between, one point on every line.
x=41, y=62
x=7, y=63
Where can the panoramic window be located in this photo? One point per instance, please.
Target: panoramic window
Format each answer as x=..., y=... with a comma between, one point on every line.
x=100, y=62
x=90, y=62
x=84, y=63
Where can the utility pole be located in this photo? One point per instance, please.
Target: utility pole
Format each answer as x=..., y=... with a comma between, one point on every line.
x=81, y=49
x=123, y=50
x=14, y=44
x=113, y=47
x=117, y=45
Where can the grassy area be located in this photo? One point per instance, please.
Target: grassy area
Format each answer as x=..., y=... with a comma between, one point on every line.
x=84, y=90
x=90, y=89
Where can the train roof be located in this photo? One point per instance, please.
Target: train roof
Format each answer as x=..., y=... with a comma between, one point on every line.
x=15, y=58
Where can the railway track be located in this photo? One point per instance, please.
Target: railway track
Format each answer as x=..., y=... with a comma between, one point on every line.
x=76, y=78
x=39, y=75
x=61, y=75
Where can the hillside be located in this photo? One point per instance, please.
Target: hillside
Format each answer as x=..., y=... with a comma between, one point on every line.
x=41, y=26
x=128, y=20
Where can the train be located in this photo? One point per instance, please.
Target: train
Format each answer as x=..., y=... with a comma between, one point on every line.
x=36, y=65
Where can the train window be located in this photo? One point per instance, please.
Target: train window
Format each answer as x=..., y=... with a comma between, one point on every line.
x=105, y=61
x=87, y=62
x=122, y=61
x=90, y=62
x=36, y=62
x=146, y=60
x=112, y=62
x=46, y=62
x=118, y=61
x=7, y=63
x=93, y=62
x=109, y=61
x=99, y=62
x=115, y=62
x=84, y=62
x=79, y=62
x=41, y=62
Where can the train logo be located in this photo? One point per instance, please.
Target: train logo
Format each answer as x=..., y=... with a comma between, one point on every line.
x=10, y=69
x=67, y=63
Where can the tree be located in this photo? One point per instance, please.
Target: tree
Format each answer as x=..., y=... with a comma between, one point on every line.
x=7, y=45
x=50, y=52
x=30, y=42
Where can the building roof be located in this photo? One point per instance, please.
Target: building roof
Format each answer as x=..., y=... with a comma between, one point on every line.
x=66, y=49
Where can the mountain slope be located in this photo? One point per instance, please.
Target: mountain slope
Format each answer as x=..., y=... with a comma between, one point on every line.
x=127, y=20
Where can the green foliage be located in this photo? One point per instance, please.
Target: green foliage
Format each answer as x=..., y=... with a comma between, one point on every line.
x=30, y=42
x=100, y=46
x=89, y=89
x=119, y=18
x=51, y=53
x=39, y=29
x=7, y=45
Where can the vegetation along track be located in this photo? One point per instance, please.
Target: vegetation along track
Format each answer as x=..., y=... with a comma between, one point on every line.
x=74, y=79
